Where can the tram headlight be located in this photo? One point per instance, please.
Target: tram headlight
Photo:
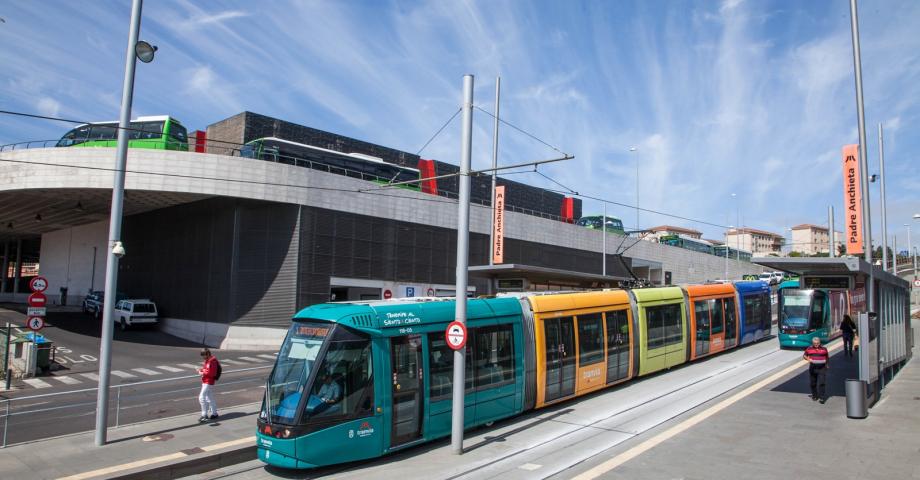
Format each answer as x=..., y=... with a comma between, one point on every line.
x=287, y=433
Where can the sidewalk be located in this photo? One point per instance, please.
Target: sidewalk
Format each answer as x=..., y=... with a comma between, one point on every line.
x=167, y=448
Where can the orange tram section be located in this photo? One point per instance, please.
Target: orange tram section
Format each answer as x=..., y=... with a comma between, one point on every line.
x=586, y=341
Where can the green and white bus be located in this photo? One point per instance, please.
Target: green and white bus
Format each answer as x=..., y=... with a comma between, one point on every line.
x=157, y=132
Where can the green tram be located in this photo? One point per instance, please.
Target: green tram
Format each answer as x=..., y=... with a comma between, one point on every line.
x=808, y=313
x=393, y=374
x=157, y=132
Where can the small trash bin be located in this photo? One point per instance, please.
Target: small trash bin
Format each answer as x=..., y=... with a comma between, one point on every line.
x=856, y=398
x=42, y=351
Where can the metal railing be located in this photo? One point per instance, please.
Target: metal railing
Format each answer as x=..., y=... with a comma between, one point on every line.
x=9, y=413
x=324, y=167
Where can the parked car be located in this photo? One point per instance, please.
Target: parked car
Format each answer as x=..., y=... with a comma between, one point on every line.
x=767, y=278
x=92, y=303
x=779, y=277
x=138, y=311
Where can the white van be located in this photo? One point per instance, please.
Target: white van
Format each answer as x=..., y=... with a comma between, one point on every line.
x=139, y=311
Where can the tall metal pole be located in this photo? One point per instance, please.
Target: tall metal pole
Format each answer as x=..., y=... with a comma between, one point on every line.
x=604, y=241
x=634, y=149
x=909, y=247
x=881, y=161
x=463, y=248
x=118, y=191
x=864, y=161
x=831, y=238
x=498, y=87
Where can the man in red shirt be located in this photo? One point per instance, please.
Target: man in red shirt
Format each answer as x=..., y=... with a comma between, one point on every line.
x=208, y=376
x=817, y=358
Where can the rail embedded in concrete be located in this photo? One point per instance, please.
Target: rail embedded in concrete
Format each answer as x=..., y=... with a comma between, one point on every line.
x=9, y=401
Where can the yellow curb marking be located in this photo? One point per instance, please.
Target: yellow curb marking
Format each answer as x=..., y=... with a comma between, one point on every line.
x=153, y=460
x=687, y=424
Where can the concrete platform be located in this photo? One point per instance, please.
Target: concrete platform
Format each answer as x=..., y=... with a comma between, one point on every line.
x=742, y=414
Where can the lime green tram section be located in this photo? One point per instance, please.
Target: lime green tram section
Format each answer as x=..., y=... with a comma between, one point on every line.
x=662, y=328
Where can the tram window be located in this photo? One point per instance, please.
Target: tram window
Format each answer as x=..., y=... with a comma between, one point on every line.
x=715, y=306
x=664, y=325
x=817, y=310
x=344, y=384
x=766, y=315
x=441, y=366
x=617, y=345
x=701, y=310
x=494, y=365
x=730, y=322
x=590, y=339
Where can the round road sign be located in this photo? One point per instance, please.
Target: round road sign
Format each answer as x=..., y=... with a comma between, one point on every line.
x=387, y=294
x=38, y=299
x=38, y=284
x=36, y=323
x=430, y=292
x=455, y=335
x=917, y=283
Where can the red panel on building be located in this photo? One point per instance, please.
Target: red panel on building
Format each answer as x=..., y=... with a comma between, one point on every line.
x=426, y=170
x=197, y=141
x=568, y=210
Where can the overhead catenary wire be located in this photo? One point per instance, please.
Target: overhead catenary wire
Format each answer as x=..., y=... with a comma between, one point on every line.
x=451, y=119
x=521, y=130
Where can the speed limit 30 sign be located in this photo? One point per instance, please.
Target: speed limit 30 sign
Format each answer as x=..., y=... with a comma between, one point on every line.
x=455, y=335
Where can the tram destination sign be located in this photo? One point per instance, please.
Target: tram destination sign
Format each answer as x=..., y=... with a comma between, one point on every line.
x=833, y=282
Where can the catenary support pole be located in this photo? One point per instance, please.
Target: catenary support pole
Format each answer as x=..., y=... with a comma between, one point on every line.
x=118, y=191
x=498, y=87
x=6, y=266
x=604, y=241
x=17, y=273
x=831, y=237
x=463, y=237
x=881, y=162
x=863, y=159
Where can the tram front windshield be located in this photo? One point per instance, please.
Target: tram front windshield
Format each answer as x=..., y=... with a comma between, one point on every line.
x=795, y=309
x=323, y=371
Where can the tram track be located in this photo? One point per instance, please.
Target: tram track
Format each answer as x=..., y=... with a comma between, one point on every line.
x=593, y=424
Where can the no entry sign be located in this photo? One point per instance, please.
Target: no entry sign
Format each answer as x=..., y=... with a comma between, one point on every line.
x=455, y=335
x=38, y=299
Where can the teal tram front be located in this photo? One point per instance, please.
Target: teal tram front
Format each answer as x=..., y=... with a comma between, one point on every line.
x=808, y=313
x=356, y=381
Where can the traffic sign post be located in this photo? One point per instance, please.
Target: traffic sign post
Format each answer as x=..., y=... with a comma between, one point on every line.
x=455, y=335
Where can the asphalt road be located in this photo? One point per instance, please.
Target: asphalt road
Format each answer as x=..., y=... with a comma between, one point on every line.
x=156, y=376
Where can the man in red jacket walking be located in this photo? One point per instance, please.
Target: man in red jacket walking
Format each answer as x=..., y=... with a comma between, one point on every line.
x=208, y=376
x=817, y=358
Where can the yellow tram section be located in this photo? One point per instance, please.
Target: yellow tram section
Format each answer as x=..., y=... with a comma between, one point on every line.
x=566, y=309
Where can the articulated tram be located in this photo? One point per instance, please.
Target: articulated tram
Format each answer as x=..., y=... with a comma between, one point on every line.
x=359, y=380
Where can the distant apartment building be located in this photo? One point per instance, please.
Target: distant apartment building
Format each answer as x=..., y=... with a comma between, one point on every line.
x=812, y=239
x=761, y=242
x=654, y=234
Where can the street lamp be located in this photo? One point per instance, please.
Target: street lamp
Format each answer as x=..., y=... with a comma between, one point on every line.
x=143, y=51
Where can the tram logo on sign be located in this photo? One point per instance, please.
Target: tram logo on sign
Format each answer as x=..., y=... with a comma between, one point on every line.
x=455, y=335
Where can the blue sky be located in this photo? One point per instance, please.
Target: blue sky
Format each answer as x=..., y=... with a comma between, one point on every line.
x=754, y=98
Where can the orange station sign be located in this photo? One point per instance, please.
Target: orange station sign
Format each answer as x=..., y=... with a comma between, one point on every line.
x=852, y=200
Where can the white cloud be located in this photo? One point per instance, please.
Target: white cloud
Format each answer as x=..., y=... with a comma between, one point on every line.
x=48, y=106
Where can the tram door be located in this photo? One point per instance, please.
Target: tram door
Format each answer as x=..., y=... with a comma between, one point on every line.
x=560, y=357
x=407, y=388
